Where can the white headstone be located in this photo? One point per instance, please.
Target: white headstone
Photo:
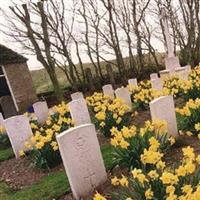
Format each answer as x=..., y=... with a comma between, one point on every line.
x=157, y=84
x=108, y=90
x=172, y=62
x=81, y=155
x=132, y=81
x=41, y=111
x=79, y=112
x=77, y=95
x=1, y=120
x=19, y=131
x=163, y=108
x=123, y=93
x=153, y=76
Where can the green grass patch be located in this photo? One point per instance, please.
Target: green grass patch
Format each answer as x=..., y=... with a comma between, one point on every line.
x=6, y=154
x=49, y=187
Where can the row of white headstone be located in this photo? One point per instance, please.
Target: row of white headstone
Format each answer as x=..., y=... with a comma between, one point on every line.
x=79, y=146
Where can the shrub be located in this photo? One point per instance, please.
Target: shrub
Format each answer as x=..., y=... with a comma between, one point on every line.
x=143, y=94
x=194, y=78
x=129, y=144
x=189, y=117
x=176, y=86
x=43, y=147
x=107, y=113
x=162, y=183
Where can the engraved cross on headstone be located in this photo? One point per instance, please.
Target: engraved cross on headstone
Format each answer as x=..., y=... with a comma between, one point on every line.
x=170, y=46
x=92, y=177
x=81, y=146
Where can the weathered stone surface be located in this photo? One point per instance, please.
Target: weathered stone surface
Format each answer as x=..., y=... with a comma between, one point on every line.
x=19, y=131
x=157, y=84
x=79, y=112
x=41, y=111
x=77, y=95
x=8, y=107
x=171, y=63
x=182, y=72
x=108, y=90
x=81, y=155
x=123, y=93
x=132, y=81
x=163, y=108
x=153, y=76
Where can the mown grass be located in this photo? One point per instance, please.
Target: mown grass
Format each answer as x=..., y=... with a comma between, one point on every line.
x=49, y=187
x=6, y=154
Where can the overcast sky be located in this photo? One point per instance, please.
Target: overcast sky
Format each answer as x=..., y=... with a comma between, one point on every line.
x=32, y=62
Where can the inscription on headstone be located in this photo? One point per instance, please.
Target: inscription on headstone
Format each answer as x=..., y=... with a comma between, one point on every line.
x=82, y=159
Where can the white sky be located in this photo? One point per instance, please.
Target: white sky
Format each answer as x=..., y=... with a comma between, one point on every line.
x=32, y=62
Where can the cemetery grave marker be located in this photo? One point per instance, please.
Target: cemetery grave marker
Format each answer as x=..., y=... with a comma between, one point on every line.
x=153, y=76
x=132, y=81
x=123, y=93
x=157, y=84
x=41, y=111
x=171, y=61
x=79, y=112
x=19, y=131
x=81, y=155
x=163, y=108
x=108, y=90
x=77, y=95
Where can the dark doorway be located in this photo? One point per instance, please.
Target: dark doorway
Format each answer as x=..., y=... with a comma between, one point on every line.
x=4, y=89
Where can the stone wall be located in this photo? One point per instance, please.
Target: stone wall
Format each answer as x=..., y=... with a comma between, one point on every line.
x=21, y=84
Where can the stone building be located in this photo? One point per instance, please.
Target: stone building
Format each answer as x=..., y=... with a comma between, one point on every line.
x=16, y=87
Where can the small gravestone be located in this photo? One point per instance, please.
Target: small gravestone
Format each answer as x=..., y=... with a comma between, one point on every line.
x=132, y=81
x=41, y=111
x=157, y=84
x=123, y=93
x=163, y=108
x=164, y=74
x=108, y=91
x=153, y=76
x=77, y=95
x=19, y=131
x=79, y=112
x=8, y=106
x=82, y=159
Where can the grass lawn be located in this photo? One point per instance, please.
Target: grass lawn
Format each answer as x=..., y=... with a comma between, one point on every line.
x=5, y=154
x=49, y=187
